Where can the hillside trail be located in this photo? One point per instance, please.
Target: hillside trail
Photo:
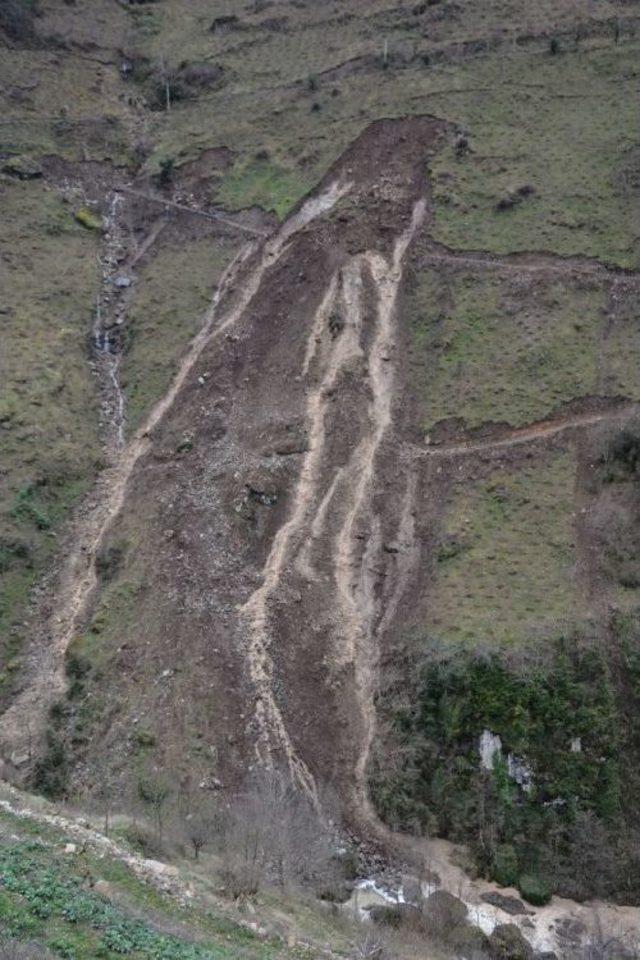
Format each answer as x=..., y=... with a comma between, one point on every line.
x=22, y=725
x=529, y=433
x=527, y=262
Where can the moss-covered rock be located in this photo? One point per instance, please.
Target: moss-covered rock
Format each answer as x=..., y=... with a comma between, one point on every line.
x=23, y=168
x=507, y=943
x=88, y=219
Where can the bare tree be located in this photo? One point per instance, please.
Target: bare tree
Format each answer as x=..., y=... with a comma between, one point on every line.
x=155, y=793
x=200, y=820
x=604, y=944
x=274, y=833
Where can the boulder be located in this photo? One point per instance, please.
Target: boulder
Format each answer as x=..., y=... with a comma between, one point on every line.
x=22, y=168
x=512, y=905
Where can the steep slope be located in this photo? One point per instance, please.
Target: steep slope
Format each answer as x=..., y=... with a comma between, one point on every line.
x=374, y=506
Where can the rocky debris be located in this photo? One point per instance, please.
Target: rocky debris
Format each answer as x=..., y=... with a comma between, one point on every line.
x=211, y=783
x=519, y=772
x=512, y=905
x=22, y=168
x=411, y=890
x=507, y=943
x=570, y=931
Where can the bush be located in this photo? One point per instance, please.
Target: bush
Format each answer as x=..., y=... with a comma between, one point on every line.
x=504, y=869
x=166, y=172
x=507, y=943
x=534, y=889
x=16, y=18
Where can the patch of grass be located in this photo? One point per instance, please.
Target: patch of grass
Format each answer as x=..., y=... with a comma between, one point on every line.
x=49, y=416
x=48, y=897
x=556, y=123
x=489, y=349
x=172, y=296
x=513, y=578
x=262, y=183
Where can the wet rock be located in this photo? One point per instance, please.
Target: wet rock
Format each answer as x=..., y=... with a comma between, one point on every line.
x=507, y=943
x=22, y=168
x=512, y=905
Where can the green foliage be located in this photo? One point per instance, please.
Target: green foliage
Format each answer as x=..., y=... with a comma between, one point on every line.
x=504, y=869
x=27, y=508
x=620, y=460
x=262, y=183
x=534, y=889
x=536, y=711
x=39, y=891
x=166, y=171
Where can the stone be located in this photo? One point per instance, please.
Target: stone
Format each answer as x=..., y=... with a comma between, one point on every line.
x=411, y=890
x=23, y=168
x=490, y=744
x=70, y=848
x=512, y=905
x=122, y=281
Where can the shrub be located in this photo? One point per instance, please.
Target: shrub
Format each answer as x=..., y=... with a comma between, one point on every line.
x=504, y=869
x=507, y=943
x=16, y=18
x=166, y=171
x=554, y=46
x=534, y=889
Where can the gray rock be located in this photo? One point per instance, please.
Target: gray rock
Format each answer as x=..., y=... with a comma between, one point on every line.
x=23, y=168
x=512, y=905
